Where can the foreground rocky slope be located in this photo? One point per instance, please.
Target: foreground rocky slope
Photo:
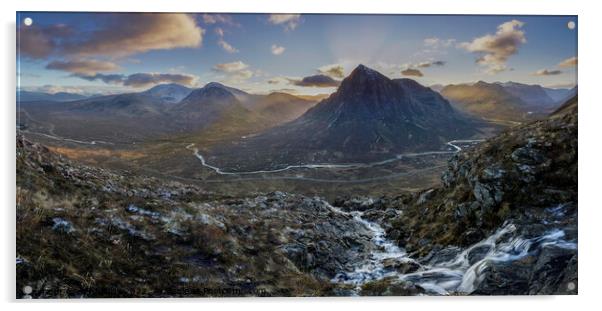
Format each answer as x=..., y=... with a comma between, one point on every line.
x=503, y=222
x=88, y=232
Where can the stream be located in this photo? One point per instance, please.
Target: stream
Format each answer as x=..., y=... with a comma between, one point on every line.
x=455, y=271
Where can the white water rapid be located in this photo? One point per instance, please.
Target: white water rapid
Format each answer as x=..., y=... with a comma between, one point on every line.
x=461, y=273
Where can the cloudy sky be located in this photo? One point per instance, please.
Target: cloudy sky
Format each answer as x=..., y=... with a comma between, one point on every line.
x=303, y=54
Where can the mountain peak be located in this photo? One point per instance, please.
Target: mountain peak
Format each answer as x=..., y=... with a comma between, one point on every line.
x=365, y=71
x=166, y=86
x=214, y=90
x=362, y=67
x=214, y=84
x=168, y=92
x=362, y=79
x=241, y=95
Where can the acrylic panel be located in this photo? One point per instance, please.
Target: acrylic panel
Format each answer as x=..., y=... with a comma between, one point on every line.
x=219, y=155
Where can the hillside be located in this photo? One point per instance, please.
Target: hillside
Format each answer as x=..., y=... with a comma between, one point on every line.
x=486, y=100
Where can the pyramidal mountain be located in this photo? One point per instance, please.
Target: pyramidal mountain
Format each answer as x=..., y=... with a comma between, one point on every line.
x=369, y=117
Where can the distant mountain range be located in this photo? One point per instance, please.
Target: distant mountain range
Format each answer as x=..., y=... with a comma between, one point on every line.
x=531, y=94
x=23, y=96
x=369, y=117
x=166, y=109
x=505, y=101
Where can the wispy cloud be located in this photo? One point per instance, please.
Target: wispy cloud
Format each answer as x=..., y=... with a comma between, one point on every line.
x=146, y=79
x=289, y=21
x=84, y=67
x=546, y=72
x=435, y=42
x=569, y=62
x=75, y=89
x=139, y=80
x=427, y=64
x=277, y=49
x=227, y=47
x=53, y=89
x=495, y=49
x=234, y=71
x=230, y=67
x=222, y=43
x=278, y=80
x=225, y=19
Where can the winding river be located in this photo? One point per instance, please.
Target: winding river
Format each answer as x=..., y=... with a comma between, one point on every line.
x=453, y=144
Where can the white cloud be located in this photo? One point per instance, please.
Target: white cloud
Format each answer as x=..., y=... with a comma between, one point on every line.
x=235, y=71
x=277, y=50
x=230, y=67
x=497, y=48
x=226, y=46
x=333, y=70
x=289, y=21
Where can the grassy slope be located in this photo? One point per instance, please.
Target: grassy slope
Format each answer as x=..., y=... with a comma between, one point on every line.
x=490, y=102
x=172, y=244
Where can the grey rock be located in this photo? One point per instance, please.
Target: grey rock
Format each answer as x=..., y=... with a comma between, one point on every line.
x=62, y=225
x=527, y=155
x=488, y=195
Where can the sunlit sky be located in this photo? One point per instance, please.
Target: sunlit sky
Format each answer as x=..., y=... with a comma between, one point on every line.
x=261, y=53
